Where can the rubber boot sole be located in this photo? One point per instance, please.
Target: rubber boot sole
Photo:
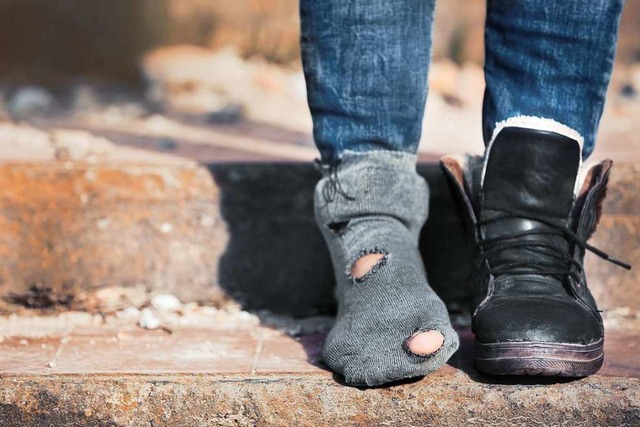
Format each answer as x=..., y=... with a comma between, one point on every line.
x=541, y=359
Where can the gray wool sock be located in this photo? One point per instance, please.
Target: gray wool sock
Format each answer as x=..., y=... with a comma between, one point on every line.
x=375, y=202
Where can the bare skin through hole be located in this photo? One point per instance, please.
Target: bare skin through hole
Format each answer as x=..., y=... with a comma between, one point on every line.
x=421, y=343
x=364, y=265
x=425, y=343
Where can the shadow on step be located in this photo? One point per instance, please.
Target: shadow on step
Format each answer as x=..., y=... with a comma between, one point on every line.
x=276, y=258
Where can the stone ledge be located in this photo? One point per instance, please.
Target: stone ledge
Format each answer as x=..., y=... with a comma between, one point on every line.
x=228, y=373
x=243, y=228
x=310, y=400
x=88, y=226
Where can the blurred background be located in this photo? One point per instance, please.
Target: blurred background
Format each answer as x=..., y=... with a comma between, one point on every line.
x=152, y=73
x=122, y=123
x=128, y=135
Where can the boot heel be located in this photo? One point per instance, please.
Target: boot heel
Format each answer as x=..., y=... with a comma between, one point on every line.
x=545, y=359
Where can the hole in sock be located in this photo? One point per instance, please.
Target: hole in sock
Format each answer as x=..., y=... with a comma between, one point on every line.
x=425, y=343
x=367, y=263
x=337, y=227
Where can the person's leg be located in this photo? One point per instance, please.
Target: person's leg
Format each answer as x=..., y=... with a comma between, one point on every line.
x=551, y=60
x=547, y=69
x=366, y=65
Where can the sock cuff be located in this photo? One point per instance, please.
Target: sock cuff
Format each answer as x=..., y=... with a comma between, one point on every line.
x=373, y=183
x=384, y=159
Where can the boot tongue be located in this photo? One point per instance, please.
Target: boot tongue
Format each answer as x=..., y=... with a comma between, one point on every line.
x=531, y=171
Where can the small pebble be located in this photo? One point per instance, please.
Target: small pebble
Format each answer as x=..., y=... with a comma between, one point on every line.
x=128, y=313
x=31, y=100
x=148, y=320
x=167, y=144
x=165, y=302
x=230, y=114
x=628, y=91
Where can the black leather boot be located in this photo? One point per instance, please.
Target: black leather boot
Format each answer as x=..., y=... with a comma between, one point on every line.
x=533, y=313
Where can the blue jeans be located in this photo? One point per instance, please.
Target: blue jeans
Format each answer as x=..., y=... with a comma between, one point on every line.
x=366, y=64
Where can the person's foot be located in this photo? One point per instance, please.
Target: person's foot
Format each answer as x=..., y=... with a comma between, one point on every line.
x=534, y=314
x=390, y=324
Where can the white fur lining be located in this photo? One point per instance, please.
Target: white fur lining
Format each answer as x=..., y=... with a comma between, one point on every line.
x=537, y=123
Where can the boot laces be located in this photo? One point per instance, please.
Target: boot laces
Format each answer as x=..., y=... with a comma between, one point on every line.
x=556, y=259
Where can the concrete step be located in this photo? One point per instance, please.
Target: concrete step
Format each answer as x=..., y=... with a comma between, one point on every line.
x=93, y=228
x=214, y=367
x=71, y=228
